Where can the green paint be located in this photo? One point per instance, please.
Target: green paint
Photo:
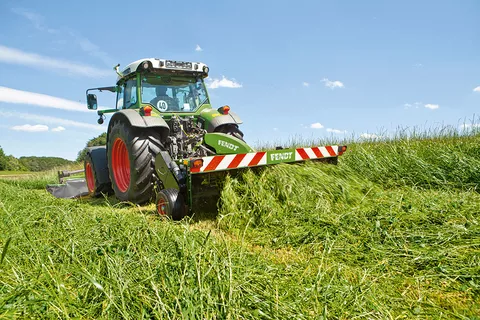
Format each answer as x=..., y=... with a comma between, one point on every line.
x=226, y=144
x=209, y=114
x=164, y=173
x=280, y=156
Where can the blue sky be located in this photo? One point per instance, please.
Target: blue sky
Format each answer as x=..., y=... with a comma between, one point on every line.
x=289, y=69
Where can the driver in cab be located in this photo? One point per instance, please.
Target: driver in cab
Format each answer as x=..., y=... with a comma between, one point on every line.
x=162, y=101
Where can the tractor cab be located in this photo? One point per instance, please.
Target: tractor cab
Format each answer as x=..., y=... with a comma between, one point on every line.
x=165, y=85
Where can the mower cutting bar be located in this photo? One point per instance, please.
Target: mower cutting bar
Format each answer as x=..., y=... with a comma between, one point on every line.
x=255, y=159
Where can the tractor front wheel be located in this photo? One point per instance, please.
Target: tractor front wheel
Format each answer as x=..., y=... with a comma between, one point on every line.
x=170, y=203
x=131, y=161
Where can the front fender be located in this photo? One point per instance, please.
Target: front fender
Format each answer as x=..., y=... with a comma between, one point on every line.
x=214, y=119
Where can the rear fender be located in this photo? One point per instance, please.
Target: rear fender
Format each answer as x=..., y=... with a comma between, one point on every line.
x=132, y=117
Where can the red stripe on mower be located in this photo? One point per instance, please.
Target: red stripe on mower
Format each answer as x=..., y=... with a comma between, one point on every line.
x=331, y=151
x=236, y=161
x=317, y=152
x=256, y=159
x=303, y=154
x=214, y=163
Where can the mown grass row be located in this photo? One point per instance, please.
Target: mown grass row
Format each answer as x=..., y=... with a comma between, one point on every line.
x=391, y=232
x=69, y=259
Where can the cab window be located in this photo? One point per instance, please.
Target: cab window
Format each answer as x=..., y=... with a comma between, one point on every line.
x=130, y=96
x=119, y=97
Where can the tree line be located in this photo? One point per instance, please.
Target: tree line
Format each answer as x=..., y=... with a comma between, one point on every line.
x=10, y=163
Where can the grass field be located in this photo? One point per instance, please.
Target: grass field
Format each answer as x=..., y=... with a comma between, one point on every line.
x=392, y=232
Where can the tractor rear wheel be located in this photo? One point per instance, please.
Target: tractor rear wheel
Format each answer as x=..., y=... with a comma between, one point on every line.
x=131, y=161
x=170, y=203
x=95, y=188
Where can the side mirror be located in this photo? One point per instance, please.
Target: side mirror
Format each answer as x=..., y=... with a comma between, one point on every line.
x=92, y=101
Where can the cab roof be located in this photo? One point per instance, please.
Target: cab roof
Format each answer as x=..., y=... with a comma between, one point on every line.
x=165, y=66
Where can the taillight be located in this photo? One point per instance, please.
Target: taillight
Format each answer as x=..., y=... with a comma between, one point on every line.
x=341, y=150
x=196, y=163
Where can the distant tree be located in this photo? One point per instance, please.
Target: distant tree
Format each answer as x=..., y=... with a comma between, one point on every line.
x=13, y=164
x=101, y=140
x=43, y=163
x=3, y=160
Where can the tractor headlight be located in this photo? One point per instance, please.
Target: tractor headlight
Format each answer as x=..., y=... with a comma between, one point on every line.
x=206, y=69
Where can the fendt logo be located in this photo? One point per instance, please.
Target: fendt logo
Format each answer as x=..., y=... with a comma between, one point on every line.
x=281, y=156
x=227, y=145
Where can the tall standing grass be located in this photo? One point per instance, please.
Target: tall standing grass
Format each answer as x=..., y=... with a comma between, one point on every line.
x=405, y=212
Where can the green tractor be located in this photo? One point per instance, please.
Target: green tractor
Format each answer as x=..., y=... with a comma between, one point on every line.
x=165, y=140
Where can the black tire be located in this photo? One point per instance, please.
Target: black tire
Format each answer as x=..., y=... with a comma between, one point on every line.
x=95, y=188
x=132, y=170
x=170, y=203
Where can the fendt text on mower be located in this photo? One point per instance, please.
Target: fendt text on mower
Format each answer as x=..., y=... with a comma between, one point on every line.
x=164, y=137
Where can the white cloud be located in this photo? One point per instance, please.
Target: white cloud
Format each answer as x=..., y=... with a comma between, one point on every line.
x=415, y=105
x=306, y=84
x=15, y=56
x=316, y=125
x=37, y=20
x=336, y=131
x=52, y=120
x=37, y=99
x=477, y=89
x=30, y=128
x=333, y=84
x=369, y=136
x=432, y=106
x=418, y=65
x=198, y=48
x=275, y=129
x=223, y=83
x=58, y=129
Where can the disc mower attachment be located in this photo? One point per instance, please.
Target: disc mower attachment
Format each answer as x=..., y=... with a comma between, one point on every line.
x=203, y=178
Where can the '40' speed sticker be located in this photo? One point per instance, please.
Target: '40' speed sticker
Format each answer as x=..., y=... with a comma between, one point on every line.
x=162, y=105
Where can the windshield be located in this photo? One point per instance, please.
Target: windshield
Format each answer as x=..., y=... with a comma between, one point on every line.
x=169, y=94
